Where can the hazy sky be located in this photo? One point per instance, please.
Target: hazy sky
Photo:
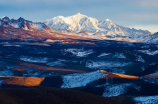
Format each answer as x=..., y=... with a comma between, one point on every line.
x=140, y=14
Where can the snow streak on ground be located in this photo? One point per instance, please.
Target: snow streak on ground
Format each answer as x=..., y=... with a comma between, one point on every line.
x=78, y=80
x=105, y=64
x=34, y=59
x=149, y=52
x=104, y=54
x=55, y=63
x=79, y=52
x=146, y=100
x=115, y=90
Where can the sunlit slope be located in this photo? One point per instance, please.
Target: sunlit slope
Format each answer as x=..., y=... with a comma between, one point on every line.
x=116, y=75
x=23, y=81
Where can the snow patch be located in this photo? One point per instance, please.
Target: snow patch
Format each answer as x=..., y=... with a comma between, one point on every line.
x=119, y=55
x=78, y=79
x=115, y=90
x=79, y=52
x=106, y=64
x=55, y=63
x=149, y=52
x=34, y=59
x=104, y=54
x=9, y=45
x=146, y=100
x=139, y=58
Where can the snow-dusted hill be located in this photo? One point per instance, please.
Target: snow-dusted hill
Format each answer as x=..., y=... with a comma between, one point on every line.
x=81, y=23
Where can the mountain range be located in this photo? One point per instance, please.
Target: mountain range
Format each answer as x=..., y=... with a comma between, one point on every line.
x=77, y=27
x=101, y=29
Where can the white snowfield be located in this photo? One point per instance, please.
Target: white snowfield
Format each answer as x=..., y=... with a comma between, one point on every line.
x=82, y=79
x=146, y=100
x=115, y=90
x=79, y=52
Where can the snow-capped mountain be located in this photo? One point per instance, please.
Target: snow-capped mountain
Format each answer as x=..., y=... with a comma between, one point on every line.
x=82, y=23
x=21, y=23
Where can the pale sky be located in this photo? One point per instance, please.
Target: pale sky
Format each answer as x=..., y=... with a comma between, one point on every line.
x=139, y=14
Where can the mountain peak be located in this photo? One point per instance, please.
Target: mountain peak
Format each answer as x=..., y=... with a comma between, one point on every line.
x=4, y=17
x=107, y=20
x=78, y=15
x=21, y=18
